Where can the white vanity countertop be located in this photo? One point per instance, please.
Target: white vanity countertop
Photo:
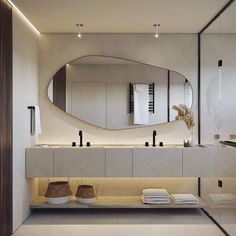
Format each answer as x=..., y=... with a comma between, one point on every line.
x=113, y=146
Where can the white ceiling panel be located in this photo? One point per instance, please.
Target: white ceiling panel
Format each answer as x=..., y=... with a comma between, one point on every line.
x=119, y=16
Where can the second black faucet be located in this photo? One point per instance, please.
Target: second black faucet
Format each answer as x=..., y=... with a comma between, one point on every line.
x=154, y=134
x=81, y=138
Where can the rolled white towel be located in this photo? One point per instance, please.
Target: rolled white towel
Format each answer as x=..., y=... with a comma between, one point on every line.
x=184, y=199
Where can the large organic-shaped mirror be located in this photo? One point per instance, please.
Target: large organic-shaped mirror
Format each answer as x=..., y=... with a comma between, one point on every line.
x=116, y=93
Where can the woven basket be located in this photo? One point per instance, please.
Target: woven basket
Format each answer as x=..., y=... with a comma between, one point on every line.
x=85, y=191
x=58, y=189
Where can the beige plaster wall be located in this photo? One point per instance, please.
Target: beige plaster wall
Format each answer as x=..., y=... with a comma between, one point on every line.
x=25, y=93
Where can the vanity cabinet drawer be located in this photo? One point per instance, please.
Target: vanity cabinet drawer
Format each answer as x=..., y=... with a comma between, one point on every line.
x=199, y=162
x=119, y=162
x=39, y=162
x=157, y=162
x=79, y=162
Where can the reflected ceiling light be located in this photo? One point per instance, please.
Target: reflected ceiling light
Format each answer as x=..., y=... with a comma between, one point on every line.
x=157, y=26
x=79, y=35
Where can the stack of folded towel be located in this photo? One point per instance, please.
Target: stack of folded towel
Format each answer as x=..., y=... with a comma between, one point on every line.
x=179, y=199
x=155, y=196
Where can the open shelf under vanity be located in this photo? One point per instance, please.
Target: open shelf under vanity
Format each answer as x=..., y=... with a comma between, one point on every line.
x=111, y=202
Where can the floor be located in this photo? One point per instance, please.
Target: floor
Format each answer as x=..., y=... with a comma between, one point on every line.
x=161, y=222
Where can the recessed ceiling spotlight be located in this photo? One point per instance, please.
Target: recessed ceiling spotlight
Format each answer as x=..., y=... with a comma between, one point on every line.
x=157, y=26
x=79, y=35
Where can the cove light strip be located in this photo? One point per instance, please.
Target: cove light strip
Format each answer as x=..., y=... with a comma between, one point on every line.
x=23, y=16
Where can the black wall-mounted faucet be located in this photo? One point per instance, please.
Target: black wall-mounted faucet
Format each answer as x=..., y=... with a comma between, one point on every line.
x=81, y=138
x=154, y=133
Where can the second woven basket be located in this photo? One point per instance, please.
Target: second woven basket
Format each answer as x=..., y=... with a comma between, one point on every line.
x=86, y=194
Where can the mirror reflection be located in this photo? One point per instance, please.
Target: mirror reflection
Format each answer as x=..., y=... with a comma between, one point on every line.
x=116, y=93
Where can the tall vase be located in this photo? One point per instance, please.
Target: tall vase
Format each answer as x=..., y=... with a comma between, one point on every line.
x=191, y=138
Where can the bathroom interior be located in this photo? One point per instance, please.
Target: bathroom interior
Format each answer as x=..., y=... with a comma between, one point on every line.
x=118, y=117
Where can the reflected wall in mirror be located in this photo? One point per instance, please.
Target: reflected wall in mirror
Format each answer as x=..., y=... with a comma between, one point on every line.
x=96, y=89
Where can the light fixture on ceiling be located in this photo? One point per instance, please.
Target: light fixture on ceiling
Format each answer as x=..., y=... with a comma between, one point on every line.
x=157, y=26
x=79, y=35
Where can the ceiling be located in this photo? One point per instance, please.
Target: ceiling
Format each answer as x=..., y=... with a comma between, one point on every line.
x=119, y=16
x=226, y=23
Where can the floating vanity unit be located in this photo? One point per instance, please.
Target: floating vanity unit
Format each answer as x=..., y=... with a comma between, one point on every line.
x=130, y=161
x=127, y=161
x=104, y=162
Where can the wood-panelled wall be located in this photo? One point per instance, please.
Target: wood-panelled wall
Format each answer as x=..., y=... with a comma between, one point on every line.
x=5, y=118
x=59, y=88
